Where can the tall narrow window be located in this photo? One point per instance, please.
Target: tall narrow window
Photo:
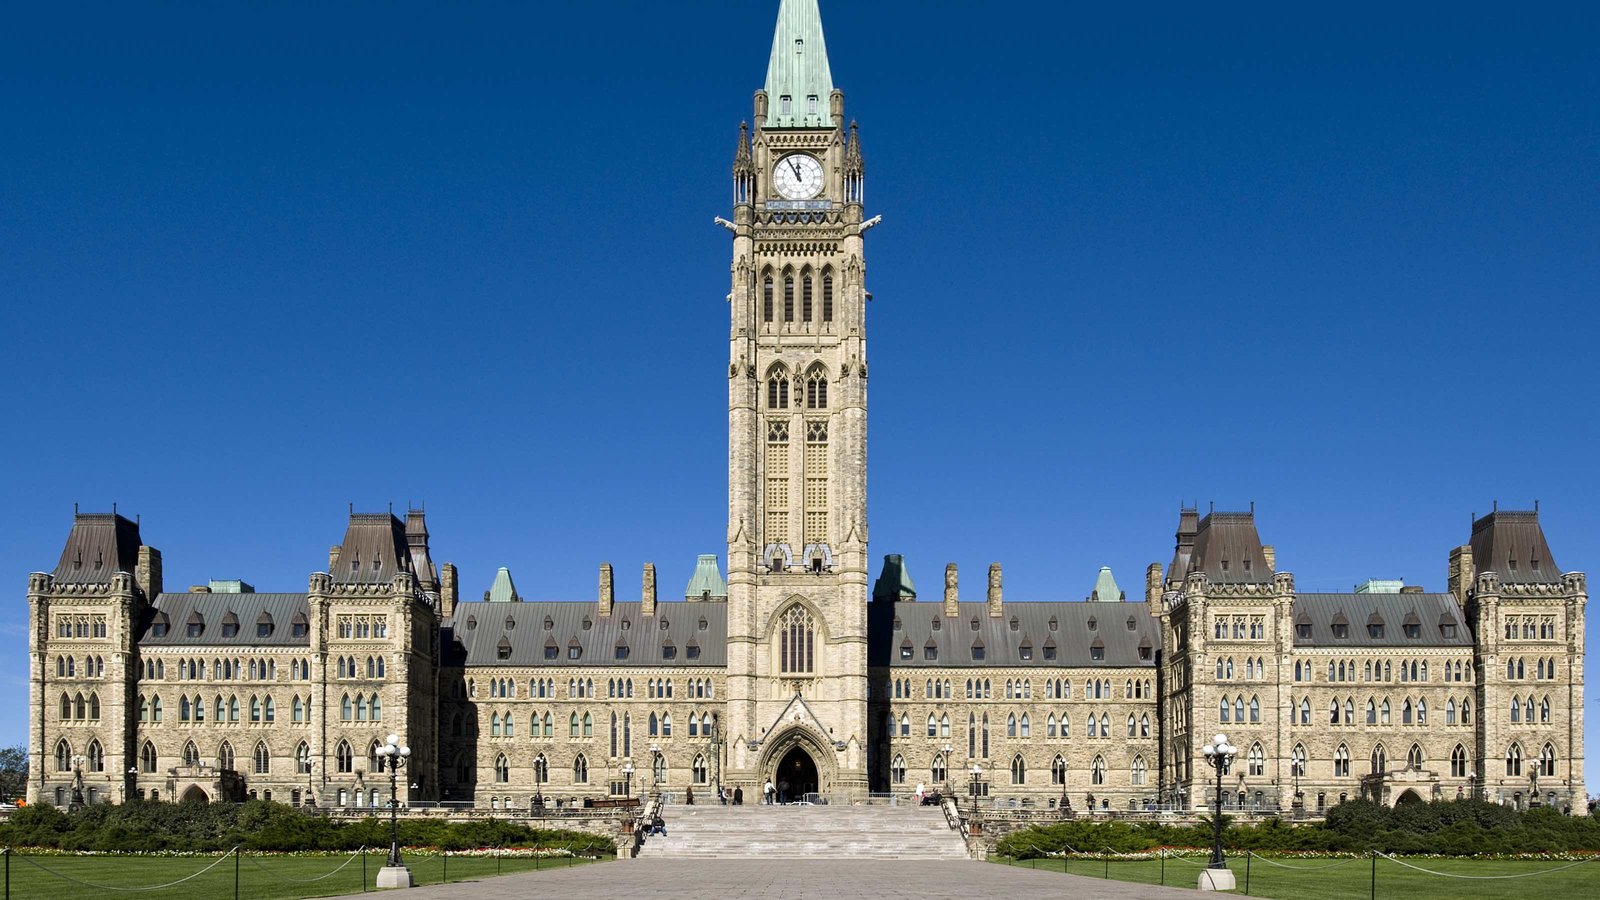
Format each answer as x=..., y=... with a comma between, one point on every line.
x=788, y=298
x=827, y=296
x=805, y=297
x=766, y=299
x=797, y=641
x=816, y=390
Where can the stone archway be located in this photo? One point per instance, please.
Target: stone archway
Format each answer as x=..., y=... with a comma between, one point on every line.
x=1408, y=796
x=800, y=757
x=195, y=794
x=796, y=775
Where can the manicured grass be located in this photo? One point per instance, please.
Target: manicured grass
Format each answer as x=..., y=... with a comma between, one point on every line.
x=1322, y=879
x=259, y=877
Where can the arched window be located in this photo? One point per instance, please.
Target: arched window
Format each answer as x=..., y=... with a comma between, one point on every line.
x=796, y=641
x=344, y=759
x=302, y=759
x=1547, y=761
x=1144, y=725
x=816, y=390
x=96, y=757
x=541, y=770
x=1050, y=725
x=191, y=755
x=766, y=298
x=827, y=295
x=588, y=725
x=580, y=769
x=1011, y=725
x=262, y=758
x=1297, y=761
x=700, y=771
x=1019, y=770
x=1255, y=709
x=225, y=756
x=805, y=296
x=494, y=725
x=1514, y=759
x=897, y=770
x=147, y=757
x=1380, y=760
x=1224, y=712
x=1097, y=771
x=1137, y=771
x=1058, y=771
x=777, y=391
x=788, y=297
x=572, y=726
x=502, y=769
x=1414, y=757
x=1305, y=711
x=660, y=769
x=654, y=725
x=1257, y=760
x=1341, y=762
x=1458, y=762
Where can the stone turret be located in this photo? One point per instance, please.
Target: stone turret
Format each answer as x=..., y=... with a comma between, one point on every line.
x=647, y=593
x=952, y=592
x=996, y=601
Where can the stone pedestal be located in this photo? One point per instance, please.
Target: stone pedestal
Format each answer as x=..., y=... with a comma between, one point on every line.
x=396, y=877
x=1216, y=880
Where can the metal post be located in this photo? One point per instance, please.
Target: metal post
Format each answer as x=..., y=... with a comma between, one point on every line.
x=1374, y=894
x=1163, y=852
x=1217, y=861
x=446, y=879
x=1247, y=855
x=363, y=870
x=8, y=873
x=1108, y=863
x=497, y=860
x=236, y=873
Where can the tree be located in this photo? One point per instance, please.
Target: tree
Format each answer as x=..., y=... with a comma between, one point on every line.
x=13, y=772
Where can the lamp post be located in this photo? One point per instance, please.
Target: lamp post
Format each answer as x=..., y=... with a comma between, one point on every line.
x=77, y=783
x=1216, y=876
x=392, y=756
x=627, y=779
x=948, y=750
x=977, y=774
x=655, y=768
x=133, y=777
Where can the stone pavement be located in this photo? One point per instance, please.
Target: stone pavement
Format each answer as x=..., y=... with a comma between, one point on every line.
x=858, y=879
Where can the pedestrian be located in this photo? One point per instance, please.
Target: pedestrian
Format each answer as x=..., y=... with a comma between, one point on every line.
x=722, y=796
x=767, y=792
x=658, y=826
x=688, y=796
x=922, y=792
x=738, y=796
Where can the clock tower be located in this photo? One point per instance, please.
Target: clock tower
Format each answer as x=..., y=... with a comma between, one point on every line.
x=797, y=430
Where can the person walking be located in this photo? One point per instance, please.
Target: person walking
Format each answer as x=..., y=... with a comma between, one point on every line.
x=767, y=792
x=688, y=796
x=738, y=796
x=922, y=792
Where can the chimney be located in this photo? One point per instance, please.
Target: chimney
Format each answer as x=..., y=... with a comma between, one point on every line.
x=1152, y=582
x=1271, y=556
x=1411, y=589
x=148, y=573
x=647, y=598
x=1463, y=573
x=448, y=592
x=199, y=589
x=333, y=559
x=952, y=595
x=607, y=596
x=996, y=606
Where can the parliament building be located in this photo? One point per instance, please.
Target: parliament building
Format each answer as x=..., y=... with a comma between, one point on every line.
x=807, y=663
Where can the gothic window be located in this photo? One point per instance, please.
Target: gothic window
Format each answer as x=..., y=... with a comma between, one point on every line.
x=261, y=758
x=1097, y=771
x=1514, y=760
x=796, y=641
x=1058, y=771
x=972, y=735
x=1257, y=760
x=1341, y=761
x=827, y=295
x=701, y=772
x=1380, y=760
x=816, y=391
x=541, y=770
x=1297, y=761
x=788, y=298
x=147, y=757
x=1547, y=761
x=225, y=756
x=1011, y=726
x=939, y=771
x=344, y=760
x=766, y=299
x=777, y=398
x=191, y=754
x=897, y=769
x=660, y=770
x=502, y=770
x=1458, y=762
x=1422, y=712
x=1019, y=770
x=944, y=726
x=805, y=297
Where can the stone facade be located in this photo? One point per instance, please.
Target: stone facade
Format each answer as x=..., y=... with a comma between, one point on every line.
x=793, y=669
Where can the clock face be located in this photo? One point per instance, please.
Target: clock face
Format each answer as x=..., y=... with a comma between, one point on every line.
x=798, y=177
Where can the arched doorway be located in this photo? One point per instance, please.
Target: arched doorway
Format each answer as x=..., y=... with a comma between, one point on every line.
x=195, y=794
x=796, y=775
x=1409, y=796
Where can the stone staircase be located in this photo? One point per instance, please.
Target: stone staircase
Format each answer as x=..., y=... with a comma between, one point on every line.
x=805, y=832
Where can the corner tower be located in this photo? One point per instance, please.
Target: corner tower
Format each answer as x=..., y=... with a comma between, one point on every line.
x=797, y=428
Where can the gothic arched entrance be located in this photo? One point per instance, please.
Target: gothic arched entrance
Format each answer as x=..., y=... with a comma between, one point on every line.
x=796, y=775
x=195, y=794
x=1409, y=796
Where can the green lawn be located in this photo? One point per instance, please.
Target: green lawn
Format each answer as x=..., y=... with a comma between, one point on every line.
x=1310, y=880
x=259, y=877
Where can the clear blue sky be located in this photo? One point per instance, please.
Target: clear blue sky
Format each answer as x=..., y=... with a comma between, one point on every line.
x=256, y=264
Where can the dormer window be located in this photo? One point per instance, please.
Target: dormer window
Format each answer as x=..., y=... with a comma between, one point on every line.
x=692, y=651
x=783, y=105
x=1092, y=624
x=811, y=104
x=930, y=651
x=1025, y=651
x=621, y=652
x=159, y=627
x=1049, y=651
x=905, y=649
x=551, y=651
x=230, y=626
x=503, y=649
x=299, y=627
x=1302, y=628
x=1097, y=650
x=264, y=626
x=549, y=623
x=196, y=625
x=510, y=623
x=574, y=650
x=977, y=651
x=1247, y=565
x=1224, y=565
x=668, y=651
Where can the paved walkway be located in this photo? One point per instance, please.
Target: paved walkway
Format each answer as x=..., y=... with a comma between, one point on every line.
x=696, y=879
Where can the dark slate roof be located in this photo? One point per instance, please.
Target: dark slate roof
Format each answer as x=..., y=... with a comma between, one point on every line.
x=472, y=636
x=374, y=550
x=214, y=608
x=955, y=636
x=99, y=546
x=1429, y=611
x=1228, y=550
x=1511, y=544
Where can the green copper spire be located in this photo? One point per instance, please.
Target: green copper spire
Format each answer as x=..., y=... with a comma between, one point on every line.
x=1105, y=587
x=798, y=80
x=503, y=591
x=706, y=583
x=894, y=582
